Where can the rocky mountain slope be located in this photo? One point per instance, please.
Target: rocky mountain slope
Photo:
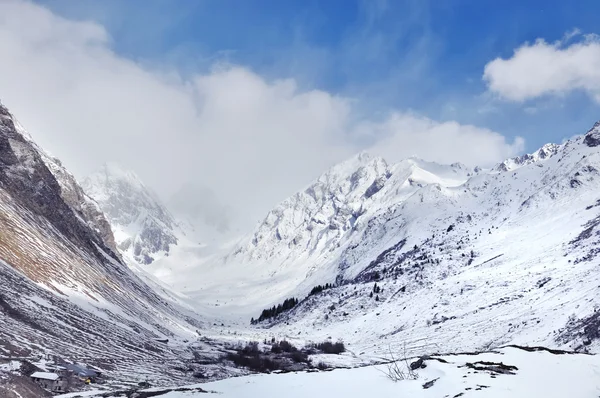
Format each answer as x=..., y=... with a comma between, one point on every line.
x=64, y=290
x=70, y=191
x=144, y=229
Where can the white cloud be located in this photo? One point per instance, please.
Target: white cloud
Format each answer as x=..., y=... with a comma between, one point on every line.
x=251, y=141
x=542, y=68
x=405, y=134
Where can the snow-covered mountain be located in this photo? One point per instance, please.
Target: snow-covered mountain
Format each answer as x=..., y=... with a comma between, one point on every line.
x=541, y=154
x=416, y=257
x=299, y=243
x=64, y=290
x=143, y=227
x=450, y=248
x=317, y=220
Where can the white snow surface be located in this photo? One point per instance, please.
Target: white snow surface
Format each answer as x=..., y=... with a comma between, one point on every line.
x=538, y=374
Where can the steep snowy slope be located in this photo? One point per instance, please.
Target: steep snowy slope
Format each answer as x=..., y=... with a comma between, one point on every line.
x=300, y=242
x=505, y=257
x=144, y=229
x=63, y=289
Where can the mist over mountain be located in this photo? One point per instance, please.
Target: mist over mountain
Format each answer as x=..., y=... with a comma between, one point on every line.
x=338, y=199
x=209, y=218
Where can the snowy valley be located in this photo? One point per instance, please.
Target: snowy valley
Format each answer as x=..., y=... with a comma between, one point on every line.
x=413, y=259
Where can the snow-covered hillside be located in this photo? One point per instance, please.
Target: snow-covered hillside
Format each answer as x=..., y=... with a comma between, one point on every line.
x=517, y=247
x=143, y=227
x=449, y=247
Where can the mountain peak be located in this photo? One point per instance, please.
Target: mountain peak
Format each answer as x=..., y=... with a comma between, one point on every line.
x=142, y=225
x=545, y=152
x=351, y=166
x=116, y=170
x=592, y=137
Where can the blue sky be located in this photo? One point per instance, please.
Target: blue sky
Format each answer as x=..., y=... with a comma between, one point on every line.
x=426, y=56
x=263, y=96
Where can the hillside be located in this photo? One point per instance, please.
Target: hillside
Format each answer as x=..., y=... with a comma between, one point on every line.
x=64, y=290
x=506, y=257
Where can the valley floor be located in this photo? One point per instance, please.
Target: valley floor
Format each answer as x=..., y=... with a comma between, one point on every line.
x=526, y=374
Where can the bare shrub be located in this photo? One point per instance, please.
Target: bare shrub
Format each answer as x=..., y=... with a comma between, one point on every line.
x=299, y=356
x=399, y=369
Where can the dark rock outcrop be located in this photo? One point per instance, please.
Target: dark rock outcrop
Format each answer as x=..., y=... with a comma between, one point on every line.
x=25, y=176
x=592, y=138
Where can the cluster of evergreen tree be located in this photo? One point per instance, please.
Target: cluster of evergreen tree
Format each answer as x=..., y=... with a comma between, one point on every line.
x=376, y=290
x=287, y=304
x=272, y=312
x=320, y=288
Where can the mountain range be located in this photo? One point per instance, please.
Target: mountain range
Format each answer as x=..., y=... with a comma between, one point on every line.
x=449, y=248
x=414, y=256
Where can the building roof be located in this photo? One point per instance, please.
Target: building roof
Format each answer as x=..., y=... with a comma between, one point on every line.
x=45, y=376
x=81, y=370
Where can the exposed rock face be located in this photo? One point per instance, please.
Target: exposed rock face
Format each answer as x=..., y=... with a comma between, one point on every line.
x=25, y=176
x=84, y=205
x=592, y=138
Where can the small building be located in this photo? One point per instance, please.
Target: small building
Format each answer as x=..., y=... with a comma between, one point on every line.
x=98, y=371
x=82, y=372
x=49, y=381
x=59, y=370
